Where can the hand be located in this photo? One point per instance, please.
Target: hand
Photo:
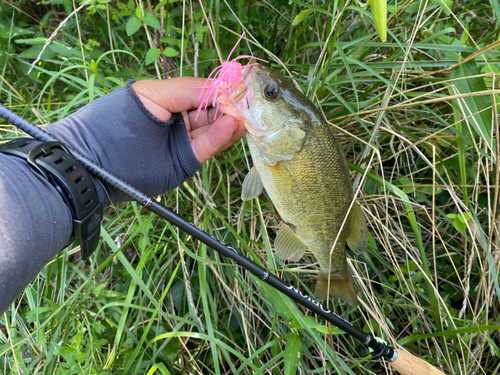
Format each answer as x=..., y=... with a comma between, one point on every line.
x=162, y=98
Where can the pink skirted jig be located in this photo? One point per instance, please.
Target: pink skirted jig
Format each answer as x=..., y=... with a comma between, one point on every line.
x=221, y=81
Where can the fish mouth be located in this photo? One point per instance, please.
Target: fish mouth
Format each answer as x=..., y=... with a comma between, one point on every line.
x=244, y=86
x=240, y=94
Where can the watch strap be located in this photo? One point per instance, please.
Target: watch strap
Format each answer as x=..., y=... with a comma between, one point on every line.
x=53, y=161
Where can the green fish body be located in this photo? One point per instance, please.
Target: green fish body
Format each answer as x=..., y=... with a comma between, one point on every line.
x=299, y=163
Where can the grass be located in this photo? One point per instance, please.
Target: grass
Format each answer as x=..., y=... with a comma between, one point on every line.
x=417, y=115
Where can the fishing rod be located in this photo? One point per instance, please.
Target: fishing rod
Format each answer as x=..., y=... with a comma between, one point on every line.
x=403, y=362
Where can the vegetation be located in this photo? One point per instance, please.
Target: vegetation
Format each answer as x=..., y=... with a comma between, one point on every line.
x=417, y=118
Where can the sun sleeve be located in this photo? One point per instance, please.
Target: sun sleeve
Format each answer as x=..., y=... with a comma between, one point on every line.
x=118, y=133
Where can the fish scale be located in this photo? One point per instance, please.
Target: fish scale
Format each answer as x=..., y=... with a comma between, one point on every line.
x=323, y=197
x=302, y=168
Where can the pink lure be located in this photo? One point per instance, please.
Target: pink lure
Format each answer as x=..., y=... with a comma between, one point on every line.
x=221, y=81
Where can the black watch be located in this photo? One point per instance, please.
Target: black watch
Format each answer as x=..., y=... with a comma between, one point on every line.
x=55, y=163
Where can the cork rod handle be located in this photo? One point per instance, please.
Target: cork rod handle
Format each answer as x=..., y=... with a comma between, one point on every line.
x=408, y=364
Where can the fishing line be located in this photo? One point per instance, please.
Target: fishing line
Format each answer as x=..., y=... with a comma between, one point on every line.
x=403, y=362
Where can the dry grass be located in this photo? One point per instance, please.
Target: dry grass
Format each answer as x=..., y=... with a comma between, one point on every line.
x=164, y=303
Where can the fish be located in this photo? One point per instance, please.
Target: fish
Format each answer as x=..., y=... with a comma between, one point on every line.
x=297, y=160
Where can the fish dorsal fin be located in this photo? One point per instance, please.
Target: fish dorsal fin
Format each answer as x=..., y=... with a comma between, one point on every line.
x=358, y=234
x=252, y=185
x=287, y=245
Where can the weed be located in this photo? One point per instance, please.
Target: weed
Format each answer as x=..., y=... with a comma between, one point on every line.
x=417, y=113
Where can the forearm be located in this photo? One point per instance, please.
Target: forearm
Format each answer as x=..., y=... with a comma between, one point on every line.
x=35, y=224
x=118, y=133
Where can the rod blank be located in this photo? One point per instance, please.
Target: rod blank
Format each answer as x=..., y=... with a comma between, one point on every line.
x=406, y=363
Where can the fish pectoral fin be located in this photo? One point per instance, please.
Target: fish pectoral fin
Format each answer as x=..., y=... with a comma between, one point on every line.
x=358, y=234
x=287, y=245
x=252, y=186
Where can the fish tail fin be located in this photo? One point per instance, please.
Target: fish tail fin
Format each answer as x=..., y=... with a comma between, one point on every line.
x=336, y=284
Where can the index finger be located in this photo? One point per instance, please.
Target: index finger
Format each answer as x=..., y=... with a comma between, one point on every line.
x=175, y=94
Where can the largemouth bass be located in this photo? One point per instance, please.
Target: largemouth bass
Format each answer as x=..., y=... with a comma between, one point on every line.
x=299, y=163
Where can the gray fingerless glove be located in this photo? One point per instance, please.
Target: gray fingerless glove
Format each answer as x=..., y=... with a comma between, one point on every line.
x=120, y=134
x=117, y=132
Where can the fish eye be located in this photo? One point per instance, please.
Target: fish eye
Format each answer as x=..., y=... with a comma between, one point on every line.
x=270, y=92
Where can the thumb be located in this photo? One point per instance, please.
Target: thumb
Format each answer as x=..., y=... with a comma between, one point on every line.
x=210, y=140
